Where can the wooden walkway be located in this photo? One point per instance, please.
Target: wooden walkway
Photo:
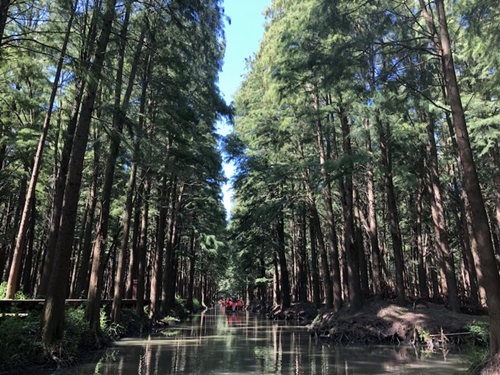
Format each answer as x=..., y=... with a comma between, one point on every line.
x=24, y=305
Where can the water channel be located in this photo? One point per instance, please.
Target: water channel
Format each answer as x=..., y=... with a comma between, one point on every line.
x=216, y=343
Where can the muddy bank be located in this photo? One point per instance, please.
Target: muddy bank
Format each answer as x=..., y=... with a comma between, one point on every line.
x=382, y=322
x=491, y=366
x=301, y=312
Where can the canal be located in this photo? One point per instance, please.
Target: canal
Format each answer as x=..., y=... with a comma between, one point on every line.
x=216, y=343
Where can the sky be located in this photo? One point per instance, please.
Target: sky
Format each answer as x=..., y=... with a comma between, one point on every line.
x=243, y=36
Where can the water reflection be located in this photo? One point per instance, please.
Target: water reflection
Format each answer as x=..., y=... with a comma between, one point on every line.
x=220, y=343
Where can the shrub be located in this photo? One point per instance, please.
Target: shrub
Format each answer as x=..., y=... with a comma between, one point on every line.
x=479, y=330
x=77, y=333
x=20, y=342
x=196, y=305
x=180, y=309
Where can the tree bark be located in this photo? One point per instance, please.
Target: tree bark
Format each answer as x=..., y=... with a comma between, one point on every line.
x=168, y=294
x=421, y=269
x=4, y=14
x=284, y=278
x=333, y=288
x=82, y=278
x=302, y=256
x=57, y=203
x=376, y=261
x=192, y=264
x=120, y=271
x=142, y=248
x=53, y=315
x=314, y=256
x=385, y=148
x=485, y=259
x=28, y=264
x=439, y=220
x=13, y=283
x=276, y=284
x=157, y=271
x=95, y=284
x=132, y=265
x=355, y=296
x=495, y=155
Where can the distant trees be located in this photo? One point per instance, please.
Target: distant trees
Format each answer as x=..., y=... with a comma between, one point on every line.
x=354, y=110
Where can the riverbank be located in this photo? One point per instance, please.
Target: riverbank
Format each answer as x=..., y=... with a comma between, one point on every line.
x=22, y=349
x=383, y=322
x=426, y=325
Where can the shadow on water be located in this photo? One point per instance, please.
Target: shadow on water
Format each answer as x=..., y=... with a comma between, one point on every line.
x=219, y=343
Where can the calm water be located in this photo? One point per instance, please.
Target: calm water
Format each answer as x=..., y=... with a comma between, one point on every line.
x=216, y=343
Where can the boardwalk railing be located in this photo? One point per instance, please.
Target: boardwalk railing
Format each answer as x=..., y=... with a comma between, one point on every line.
x=25, y=305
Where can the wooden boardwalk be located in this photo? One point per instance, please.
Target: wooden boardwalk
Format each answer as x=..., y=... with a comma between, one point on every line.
x=24, y=305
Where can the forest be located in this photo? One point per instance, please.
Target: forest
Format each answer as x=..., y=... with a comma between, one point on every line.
x=110, y=173
x=366, y=143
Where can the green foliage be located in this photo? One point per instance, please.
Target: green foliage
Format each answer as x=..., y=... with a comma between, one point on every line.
x=476, y=355
x=180, y=307
x=3, y=291
x=196, y=305
x=479, y=330
x=170, y=319
x=424, y=335
x=77, y=333
x=111, y=330
x=20, y=341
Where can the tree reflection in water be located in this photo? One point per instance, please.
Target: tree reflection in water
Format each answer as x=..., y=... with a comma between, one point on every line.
x=220, y=343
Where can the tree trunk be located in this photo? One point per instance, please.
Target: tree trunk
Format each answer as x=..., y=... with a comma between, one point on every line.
x=95, y=284
x=376, y=261
x=13, y=282
x=53, y=315
x=17, y=214
x=142, y=248
x=170, y=271
x=57, y=203
x=421, y=269
x=82, y=278
x=485, y=259
x=132, y=265
x=192, y=264
x=276, y=284
x=120, y=271
x=284, y=279
x=385, y=148
x=28, y=264
x=293, y=251
x=439, y=220
x=157, y=270
x=302, y=256
x=495, y=155
x=314, y=257
x=355, y=297
x=4, y=13
x=333, y=288
x=358, y=235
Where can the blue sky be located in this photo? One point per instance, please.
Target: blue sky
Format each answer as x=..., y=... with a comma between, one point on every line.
x=242, y=41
